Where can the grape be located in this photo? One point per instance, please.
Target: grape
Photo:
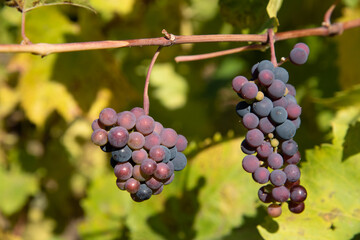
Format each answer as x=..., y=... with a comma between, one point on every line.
x=99, y=137
x=294, y=159
x=292, y=172
x=296, y=207
x=153, y=183
x=238, y=82
x=169, y=180
x=159, y=190
x=145, y=124
x=296, y=122
x=303, y=46
x=151, y=140
x=264, y=194
x=242, y=108
x=278, y=115
x=290, y=98
x=157, y=153
x=289, y=185
x=254, y=137
x=96, y=124
x=289, y=147
x=162, y=171
x=274, y=210
x=179, y=161
x=280, y=194
x=249, y=90
x=281, y=74
x=277, y=89
x=261, y=175
x=291, y=89
x=118, y=137
x=264, y=150
x=254, y=70
x=286, y=130
x=138, y=174
x=123, y=171
x=298, y=56
x=108, y=116
x=171, y=167
x=266, y=77
x=132, y=185
x=120, y=184
x=277, y=177
x=168, y=137
x=142, y=194
x=148, y=166
x=263, y=107
x=126, y=119
x=293, y=110
x=136, y=140
x=181, y=143
x=265, y=64
x=158, y=128
x=298, y=193
x=138, y=112
x=122, y=155
x=250, y=163
x=246, y=148
x=266, y=126
x=250, y=121
x=173, y=152
x=281, y=102
x=275, y=160
x=139, y=155
x=167, y=154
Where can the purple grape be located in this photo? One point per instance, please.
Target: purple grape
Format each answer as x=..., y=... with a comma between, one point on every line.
x=274, y=210
x=281, y=74
x=242, y=108
x=120, y=184
x=179, y=161
x=254, y=137
x=108, y=117
x=158, y=128
x=303, y=46
x=238, y=82
x=264, y=150
x=173, y=152
x=122, y=155
x=261, y=175
x=277, y=178
x=132, y=185
x=171, y=167
x=292, y=172
x=289, y=147
x=181, y=143
x=277, y=89
x=290, y=98
x=294, y=159
x=298, y=56
x=136, y=140
x=99, y=137
x=265, y=64
x=263, y=107
x=246, y=148
x=286, y=130
x=280, y=194
x=138, y=112
x=96, y=124
x=250, y=163
x=118, y=137
x=138, y=174
x=281, y=102
x=289, y=185
x=159, y=190
x=278, y=115
x=254, y=70
x=162, y=171
x=123, y=171
x=168, y=137
x=296, y=207
x=264, y=194
x=167, y=154
x=153, y=183
x=250, y=121
x=157, y=153
x=249, y=90
x=298, y=193
x=169, y=180
x=291, y=89
x=126, y=119
x=296, y=122
x=148, y=166
x=151, y=140
x=293, y=110
x=139, y=155
x=145, y=124
x=275, y=160
x=142, y=194
x=266, y=126
x=266, y=77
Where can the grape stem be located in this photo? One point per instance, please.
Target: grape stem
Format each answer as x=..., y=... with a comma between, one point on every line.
x=147, y=81
x=272, y=47
x=25, y=40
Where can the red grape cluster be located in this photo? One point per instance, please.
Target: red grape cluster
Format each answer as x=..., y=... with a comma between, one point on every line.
x=144, y=153
x=271, y=114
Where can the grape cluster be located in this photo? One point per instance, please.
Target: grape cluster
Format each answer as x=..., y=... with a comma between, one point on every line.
x=269, y=111
x=144, y=153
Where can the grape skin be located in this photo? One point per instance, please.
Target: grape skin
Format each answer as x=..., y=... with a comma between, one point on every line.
x=266, y=126
x=122, y=155
x=264, y=150
x=274, y=210
x=275, y=160
x=238, y=82
x=266, y=77
x=108, y=117
x=136, y=140
x=148, y=166
x=293, y=110
x=254, y=137
x=179, y=161
x=263, y=107
x=151, y=140
x=278, y=115
x=132, y=185
x=286, y=130
x=249, y=90
x=246, y=148
x=298, y=56
x=118, y=137
x=123, y=171
x=181, y=143
x=280, y=194
x=281, y=74
x=157, y=153
x=277, y=89
x=250, y=121
x=298, y=193
x=264, y=195
x=294, y=159
x=303, y=46
x=250, y=163
x=296, y=207
x=261, y=175
x=138, y=112
x=145, y=124
x=138, y=156
x=168, y=137
x=162, y=171
x=126, y=119
x=142, y=194
x=277, y=177
x=292, y=172
x=242, y=108
x=265, y=64
x=99, y=137
x=289, y=147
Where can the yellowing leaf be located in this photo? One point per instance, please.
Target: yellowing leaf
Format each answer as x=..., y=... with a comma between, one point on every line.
x=170, y=87
x=110, y=7
x=273, y=7
x=27, y=5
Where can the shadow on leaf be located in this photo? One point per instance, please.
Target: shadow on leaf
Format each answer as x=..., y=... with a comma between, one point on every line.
x=350, y=146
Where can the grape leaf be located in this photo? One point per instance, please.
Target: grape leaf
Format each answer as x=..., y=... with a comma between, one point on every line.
x=273, y=7
x=342, y=99
x=108, y=8
x=27, y=5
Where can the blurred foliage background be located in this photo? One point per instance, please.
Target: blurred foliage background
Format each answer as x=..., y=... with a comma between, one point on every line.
x=55, y=184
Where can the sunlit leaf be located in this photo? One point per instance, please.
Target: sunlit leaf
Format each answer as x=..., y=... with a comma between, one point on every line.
x=27, y=5
x=273, y=7
x=108, y=8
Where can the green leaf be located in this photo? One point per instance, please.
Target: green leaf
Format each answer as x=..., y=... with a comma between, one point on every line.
x=28, y=5
x=273, y=7
x=342, y=99
x=109, y=8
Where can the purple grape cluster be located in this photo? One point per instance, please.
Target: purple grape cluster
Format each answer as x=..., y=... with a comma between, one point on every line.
x=271, y=114
x=144, y=154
